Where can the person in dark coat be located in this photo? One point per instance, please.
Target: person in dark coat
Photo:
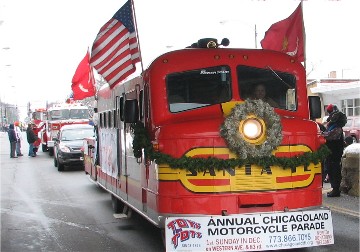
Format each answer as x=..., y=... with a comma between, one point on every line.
x=335, y=142
x=31, y=138
x=12, y=140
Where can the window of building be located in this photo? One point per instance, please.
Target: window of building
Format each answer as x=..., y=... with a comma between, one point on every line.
x=351, y=107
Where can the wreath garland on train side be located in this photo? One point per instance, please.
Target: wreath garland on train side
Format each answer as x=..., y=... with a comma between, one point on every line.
x=142, y=143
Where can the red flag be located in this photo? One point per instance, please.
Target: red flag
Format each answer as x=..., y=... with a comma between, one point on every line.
x=287, y=35
x=115, y=50
x=83, y=83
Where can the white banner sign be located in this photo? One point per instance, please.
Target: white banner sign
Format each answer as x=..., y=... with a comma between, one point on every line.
x=250, y=232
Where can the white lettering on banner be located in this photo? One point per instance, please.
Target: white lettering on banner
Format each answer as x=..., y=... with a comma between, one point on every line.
x=250, y=232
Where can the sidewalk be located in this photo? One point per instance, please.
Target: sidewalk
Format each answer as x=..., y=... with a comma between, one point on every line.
x=345, y=204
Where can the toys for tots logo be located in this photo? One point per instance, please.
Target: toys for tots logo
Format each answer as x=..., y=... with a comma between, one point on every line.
x=183, y=230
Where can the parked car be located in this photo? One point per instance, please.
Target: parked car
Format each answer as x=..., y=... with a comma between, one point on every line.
x=68, y=144
x=352, y=128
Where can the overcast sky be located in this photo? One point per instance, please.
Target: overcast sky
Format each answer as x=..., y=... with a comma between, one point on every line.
x=43, y=41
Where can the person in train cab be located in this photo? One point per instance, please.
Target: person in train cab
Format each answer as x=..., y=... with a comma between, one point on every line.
x=259, y=93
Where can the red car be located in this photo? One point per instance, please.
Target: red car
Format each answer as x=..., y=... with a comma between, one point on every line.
x=352, y=128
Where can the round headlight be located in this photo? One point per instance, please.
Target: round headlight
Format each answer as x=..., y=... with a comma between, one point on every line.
x=253, y=130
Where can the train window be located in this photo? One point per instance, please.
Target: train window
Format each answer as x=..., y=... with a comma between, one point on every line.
x=101, y=120
x=198, y=88
x=122, y=108
x=105, y=119
x=276, y=88
x=146, y=101
x=109, y=119
x=117, y=112
x=114, y=118
x=141, y=102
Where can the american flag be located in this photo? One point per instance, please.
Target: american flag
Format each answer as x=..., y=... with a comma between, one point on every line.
x=115, y=50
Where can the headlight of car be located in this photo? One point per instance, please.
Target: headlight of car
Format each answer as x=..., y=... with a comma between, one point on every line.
x=64, y=148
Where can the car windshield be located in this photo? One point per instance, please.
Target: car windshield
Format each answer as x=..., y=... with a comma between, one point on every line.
x=65, y=114
x=79, y=114
x=76, y=134
x=61, y=114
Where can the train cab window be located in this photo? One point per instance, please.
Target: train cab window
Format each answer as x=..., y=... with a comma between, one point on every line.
x=198, y=88
x=275, y=88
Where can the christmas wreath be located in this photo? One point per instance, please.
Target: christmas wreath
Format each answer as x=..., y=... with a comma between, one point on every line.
x=229, y=130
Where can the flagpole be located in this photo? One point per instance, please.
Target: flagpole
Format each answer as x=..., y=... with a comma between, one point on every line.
x=92, y=76
x=137, y=35
x=255, y=37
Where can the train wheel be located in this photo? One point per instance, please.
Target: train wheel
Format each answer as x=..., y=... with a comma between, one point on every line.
x=117, y=204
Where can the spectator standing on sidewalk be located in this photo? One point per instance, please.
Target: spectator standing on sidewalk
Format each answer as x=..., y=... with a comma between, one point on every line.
x=31, y=138
x=19, y=138
x=335, y=142
x=12, y=140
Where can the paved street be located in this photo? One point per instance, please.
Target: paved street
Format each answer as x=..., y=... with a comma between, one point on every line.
x=344, y=204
